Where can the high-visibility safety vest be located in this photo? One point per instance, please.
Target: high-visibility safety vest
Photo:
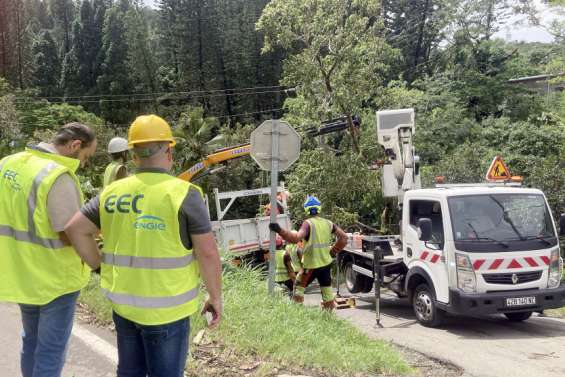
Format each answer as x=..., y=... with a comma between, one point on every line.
x=147, y=273
x=36, y=266
x=296, y=262
x=281, y=273
x=111, y=172
x=316, y=251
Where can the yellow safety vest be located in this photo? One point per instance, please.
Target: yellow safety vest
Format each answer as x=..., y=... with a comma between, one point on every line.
x=316, y=251
x=281, y=273
x=147, y=273
x=292, y=249
x=111, y=172
x=35, y=266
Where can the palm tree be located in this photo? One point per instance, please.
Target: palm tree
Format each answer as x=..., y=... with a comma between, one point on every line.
x=194, y=136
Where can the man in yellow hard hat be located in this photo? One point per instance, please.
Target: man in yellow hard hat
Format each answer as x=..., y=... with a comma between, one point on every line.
x=157, y=242
x=39, y=270
x=119, y=152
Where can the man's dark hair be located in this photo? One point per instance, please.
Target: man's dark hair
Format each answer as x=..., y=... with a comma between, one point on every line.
x=74, y=131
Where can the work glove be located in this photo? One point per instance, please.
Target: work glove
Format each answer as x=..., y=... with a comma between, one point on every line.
x=275, y=227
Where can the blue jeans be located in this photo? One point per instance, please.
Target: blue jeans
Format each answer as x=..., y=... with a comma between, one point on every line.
x=45, y=335
x=155, y=351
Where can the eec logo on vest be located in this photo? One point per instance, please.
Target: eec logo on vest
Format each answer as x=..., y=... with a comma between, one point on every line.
x=127, y=203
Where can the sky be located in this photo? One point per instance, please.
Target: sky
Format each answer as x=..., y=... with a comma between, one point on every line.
x=516, y=29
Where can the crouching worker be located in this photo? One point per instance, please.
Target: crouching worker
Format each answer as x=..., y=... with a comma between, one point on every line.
x=157, y=243
x=317, y=252
x=287, y=265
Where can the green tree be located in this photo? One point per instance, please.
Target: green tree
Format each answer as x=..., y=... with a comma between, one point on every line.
x=338, y=55
x=143, y=65
x=63, y=12
x=115, y=78
x=416, y=28
x=193, y=133
x=46, y=65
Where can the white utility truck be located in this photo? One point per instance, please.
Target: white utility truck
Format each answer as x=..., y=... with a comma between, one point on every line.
x=468, y=249
x=246, y=239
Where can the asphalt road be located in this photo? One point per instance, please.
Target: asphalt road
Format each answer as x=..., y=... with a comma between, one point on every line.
x=483, y=347
x=92, y=351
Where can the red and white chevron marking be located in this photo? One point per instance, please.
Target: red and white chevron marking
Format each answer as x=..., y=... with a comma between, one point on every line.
x=510, y=263
x=429, y=256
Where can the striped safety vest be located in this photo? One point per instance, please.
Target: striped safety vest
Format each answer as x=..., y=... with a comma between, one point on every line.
x=316, y=251
x=147, y=273
x=36, y=266
x=281, y=273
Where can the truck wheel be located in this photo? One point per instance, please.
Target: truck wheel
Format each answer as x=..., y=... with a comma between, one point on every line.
x=425, y=308
x=367, y=284
x=353, y=280
x=518, y=317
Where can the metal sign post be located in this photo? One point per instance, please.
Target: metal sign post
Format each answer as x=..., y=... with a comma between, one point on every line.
x=275, y=145
x=274, y=208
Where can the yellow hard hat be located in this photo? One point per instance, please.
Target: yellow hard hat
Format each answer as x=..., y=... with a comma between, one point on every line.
x=148, y=128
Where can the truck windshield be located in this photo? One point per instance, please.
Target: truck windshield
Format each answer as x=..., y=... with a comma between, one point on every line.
x=501, y=222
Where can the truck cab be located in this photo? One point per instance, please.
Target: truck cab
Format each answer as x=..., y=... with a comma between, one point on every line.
x=480, y=249
x=471, y=249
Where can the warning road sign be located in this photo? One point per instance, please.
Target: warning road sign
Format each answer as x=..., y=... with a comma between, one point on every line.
x=498, y=170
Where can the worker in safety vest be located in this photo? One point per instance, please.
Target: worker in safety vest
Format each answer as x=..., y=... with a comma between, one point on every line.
x=39, y=270
x=157, y=241
x=287, y=264
x=119, y=152
x=317, y=252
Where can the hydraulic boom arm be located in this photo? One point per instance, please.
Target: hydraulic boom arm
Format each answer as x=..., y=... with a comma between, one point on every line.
x=216, y=158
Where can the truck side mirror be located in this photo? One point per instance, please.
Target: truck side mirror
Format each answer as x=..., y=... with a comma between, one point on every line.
x=425, y=229
x=562, y=224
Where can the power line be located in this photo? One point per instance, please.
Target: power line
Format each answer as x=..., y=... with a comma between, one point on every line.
x=232, y=90
x=154, y=99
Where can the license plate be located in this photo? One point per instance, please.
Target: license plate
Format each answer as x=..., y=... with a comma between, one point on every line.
x=520, y=301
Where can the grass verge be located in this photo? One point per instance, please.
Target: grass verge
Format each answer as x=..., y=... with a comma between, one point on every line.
x=91, y=298
x=270, y=327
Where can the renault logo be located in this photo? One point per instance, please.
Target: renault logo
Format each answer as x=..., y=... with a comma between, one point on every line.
x=514, y=279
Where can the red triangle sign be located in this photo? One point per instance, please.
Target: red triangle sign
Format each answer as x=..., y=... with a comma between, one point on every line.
x=498, y=171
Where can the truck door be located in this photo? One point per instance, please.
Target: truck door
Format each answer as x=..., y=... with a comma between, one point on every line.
x=428, y=255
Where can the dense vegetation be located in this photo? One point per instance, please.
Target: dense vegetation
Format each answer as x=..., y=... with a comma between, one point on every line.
x=216, y=68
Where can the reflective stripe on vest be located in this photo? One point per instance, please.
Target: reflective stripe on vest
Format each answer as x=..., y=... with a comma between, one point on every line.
x=35, y=264
x=146, y=262
x=30, y=235
x=317, y=248
x=151, y=302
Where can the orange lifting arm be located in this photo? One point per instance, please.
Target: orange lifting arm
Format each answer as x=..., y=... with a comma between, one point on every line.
x=216, y=158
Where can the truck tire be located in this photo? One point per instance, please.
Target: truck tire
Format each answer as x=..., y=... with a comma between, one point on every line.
x=368, y=284
x=353, y=280
x=518, y=317
x=425, y=308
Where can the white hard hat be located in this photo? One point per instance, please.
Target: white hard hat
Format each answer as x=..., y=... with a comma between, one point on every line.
x=117, y=145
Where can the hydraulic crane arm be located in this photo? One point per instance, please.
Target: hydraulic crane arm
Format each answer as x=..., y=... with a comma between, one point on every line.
x=215, y=158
